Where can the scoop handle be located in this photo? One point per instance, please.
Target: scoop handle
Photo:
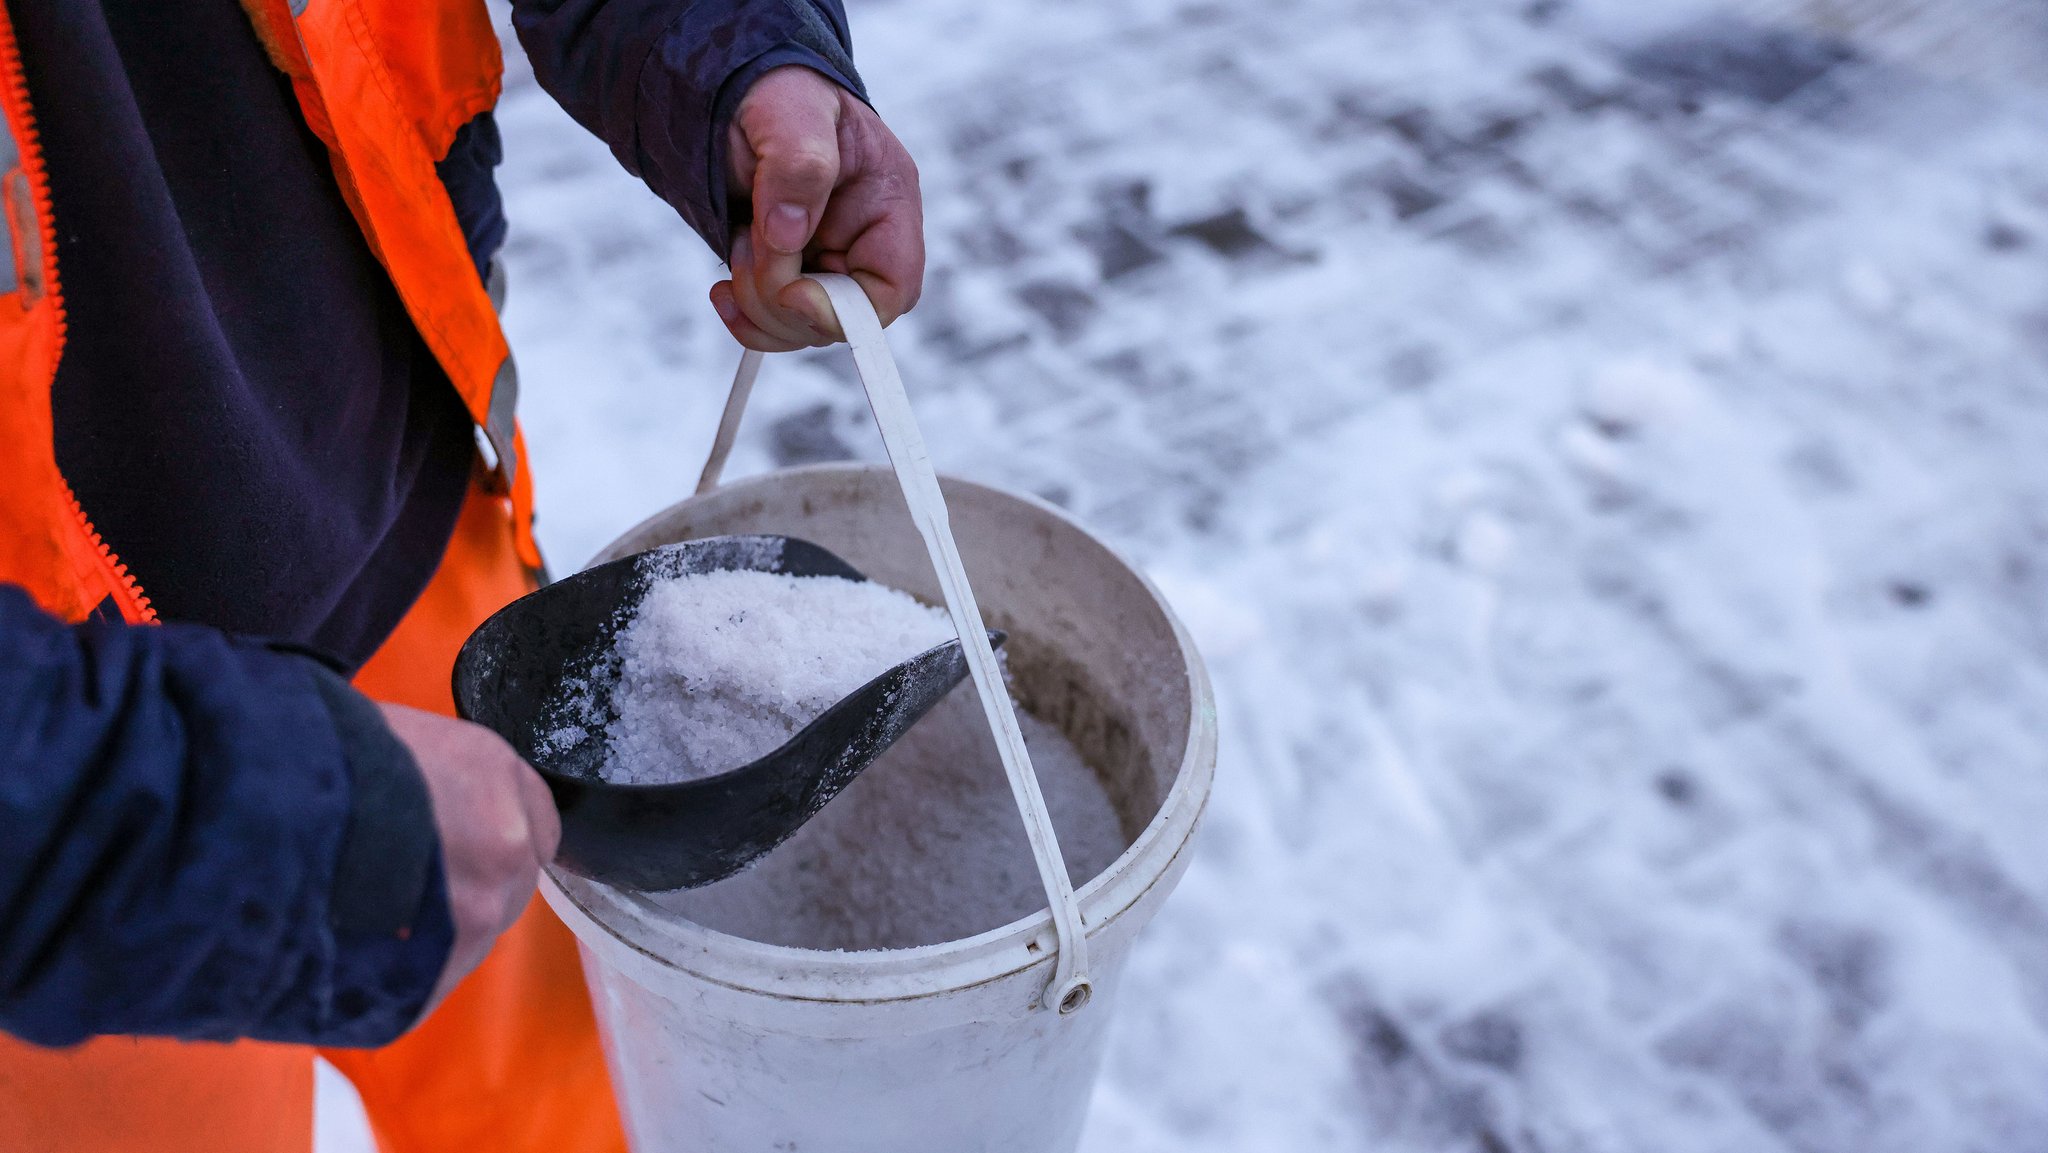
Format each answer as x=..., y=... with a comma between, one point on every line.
x=1070, y=987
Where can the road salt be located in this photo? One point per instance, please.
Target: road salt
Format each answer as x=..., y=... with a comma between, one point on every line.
x=719, y=669
x=926, y=846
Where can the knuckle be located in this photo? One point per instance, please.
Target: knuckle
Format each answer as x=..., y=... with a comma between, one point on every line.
x=807, y=167
x=514, y=843
x=474, y=907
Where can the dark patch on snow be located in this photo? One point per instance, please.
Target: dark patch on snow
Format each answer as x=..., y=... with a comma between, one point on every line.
x=2000, y=236
x=1818, y=469
x=807, y=437
x=1126, y=200
x=990, y=243
x=1382, y=1037
x=1065, y=307
x=1118, y=250
x=1480, y=235
x=834, y=363
x=1748, y=1053
x=1489, y=1038
x=1410, y=1098
x=1420, y=127
x=1953, y=863
x=1414, y=367
x=1409, y=198
x=1145, y=375
x=1851, y=967
x=1228, y=234
x=1725, y=57
x=1353, y=112
x=1566, y=88
x=1911, y=594
x=1678, y=787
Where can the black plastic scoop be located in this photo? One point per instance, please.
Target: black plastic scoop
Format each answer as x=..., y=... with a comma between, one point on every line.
x=509, y=677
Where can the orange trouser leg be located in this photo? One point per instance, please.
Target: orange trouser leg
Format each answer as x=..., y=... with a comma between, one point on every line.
x=137, y=1094
x=510, y=1062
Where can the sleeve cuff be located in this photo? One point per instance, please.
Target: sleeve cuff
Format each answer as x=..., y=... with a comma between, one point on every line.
x=729, y=210
x=380, y=985
x=689, y=90
x=388, y=906
x=389, y=840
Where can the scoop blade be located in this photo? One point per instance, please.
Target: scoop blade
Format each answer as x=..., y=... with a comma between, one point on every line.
x=510, y=677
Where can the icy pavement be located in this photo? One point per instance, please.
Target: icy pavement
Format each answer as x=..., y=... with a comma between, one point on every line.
x=1600, y=449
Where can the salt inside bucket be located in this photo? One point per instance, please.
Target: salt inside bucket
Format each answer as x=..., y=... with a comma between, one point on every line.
x=721, y=1044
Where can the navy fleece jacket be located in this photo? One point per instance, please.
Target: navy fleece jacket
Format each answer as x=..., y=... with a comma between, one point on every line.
x=204, y=832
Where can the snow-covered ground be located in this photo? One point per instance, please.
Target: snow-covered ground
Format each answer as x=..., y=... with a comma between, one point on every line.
x=1602, y=448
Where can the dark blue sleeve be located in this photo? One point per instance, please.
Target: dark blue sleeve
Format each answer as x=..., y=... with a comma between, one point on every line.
x=659, y=81
x=204, y=837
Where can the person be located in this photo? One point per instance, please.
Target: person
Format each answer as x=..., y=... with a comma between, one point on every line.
x=260, y=476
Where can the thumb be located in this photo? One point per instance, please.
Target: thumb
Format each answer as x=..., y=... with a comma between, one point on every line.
x=793, y=182
x=790, y=119
x=795, y=171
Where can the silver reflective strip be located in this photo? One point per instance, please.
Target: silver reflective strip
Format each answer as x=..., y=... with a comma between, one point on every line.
x=10, y=163
x=498, y=421
x=494, y=284
x=299, y=8
x=28, y=235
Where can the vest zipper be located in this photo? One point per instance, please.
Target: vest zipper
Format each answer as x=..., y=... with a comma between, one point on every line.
x=136, y=607
x=41, y=279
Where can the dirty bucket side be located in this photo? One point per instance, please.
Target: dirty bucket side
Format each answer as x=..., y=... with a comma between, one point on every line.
x=716, y=1074
x=721, y=1043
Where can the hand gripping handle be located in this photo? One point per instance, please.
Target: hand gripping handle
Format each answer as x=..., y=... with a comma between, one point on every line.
x=1070, y=988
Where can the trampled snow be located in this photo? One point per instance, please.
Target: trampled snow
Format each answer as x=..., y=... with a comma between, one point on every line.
x=1598, y=446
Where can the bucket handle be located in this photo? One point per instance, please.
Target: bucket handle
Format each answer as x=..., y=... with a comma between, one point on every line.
x=1070, y=987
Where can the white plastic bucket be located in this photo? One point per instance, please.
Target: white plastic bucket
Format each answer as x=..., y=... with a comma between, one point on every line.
x=719, y=1044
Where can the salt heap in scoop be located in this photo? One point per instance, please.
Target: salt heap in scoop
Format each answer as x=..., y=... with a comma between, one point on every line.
x=719, y=669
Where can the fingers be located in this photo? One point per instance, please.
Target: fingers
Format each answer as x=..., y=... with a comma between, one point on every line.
x=795, y=170
x=543, y=822
x=888, y=259
x=725, y=301
x=833, y=190
x=789, y=123
x=874, y=227
x=496, y=823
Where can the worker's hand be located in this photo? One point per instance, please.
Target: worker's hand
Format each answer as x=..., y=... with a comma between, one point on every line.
x=833, y=191
x=497, y=823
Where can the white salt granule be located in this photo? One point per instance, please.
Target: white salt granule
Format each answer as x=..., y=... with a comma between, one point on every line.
x=718, y=669
x=925, y=846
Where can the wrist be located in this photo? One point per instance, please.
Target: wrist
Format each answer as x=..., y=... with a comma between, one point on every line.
x=389, y=841
x=387, y=901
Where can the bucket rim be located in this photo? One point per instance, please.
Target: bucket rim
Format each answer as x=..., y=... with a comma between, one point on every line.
x=654, y=944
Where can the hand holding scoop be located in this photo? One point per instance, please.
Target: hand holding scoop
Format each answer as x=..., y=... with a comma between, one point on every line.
x=672, y=836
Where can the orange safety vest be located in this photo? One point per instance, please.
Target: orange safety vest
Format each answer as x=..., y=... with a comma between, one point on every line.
x=385, y=84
